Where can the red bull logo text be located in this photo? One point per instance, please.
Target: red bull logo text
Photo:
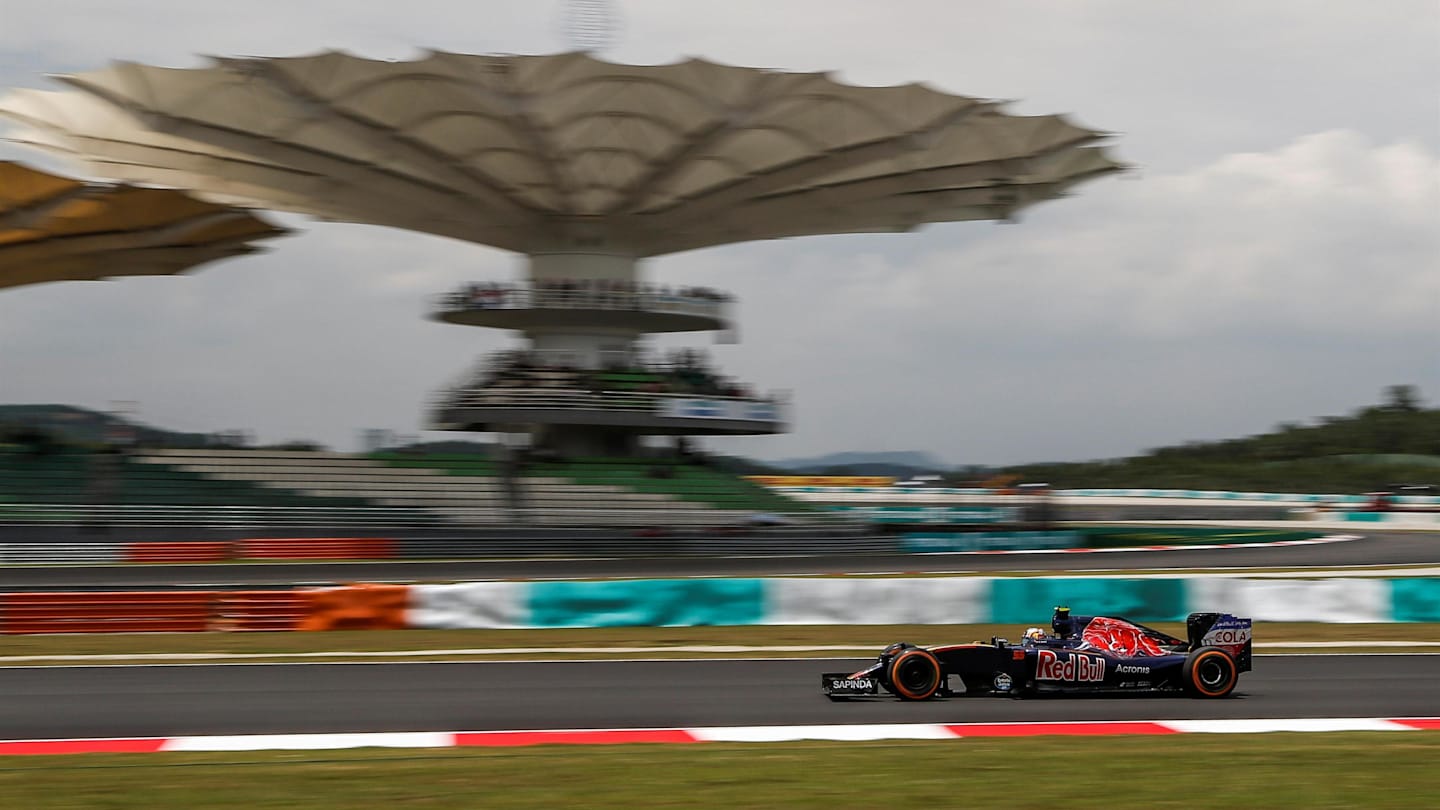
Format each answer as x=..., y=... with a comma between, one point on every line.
x=1051, y=666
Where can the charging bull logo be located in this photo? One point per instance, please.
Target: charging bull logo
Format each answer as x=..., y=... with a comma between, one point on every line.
x=1051, y=666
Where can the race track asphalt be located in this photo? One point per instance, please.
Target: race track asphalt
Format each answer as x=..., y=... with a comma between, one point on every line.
x=1373, y=548
x=159, y=701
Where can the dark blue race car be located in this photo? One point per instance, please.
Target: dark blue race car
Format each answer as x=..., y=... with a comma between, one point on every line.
x=1083, y=655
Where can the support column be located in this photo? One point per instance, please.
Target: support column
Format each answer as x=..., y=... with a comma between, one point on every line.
x=586, y=347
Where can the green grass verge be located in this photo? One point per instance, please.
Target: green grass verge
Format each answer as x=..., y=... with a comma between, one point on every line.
x=559, y=643
x=1342, y=770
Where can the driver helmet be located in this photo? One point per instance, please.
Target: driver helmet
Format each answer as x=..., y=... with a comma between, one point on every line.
x=1034, y=635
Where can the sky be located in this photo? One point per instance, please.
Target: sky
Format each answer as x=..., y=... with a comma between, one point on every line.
x=1274, y=257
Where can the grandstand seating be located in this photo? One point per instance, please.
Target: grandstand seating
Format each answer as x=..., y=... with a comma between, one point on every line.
x=365, y=481
x=73, y=477
x=469, y=489
x=688, y=482
x=456, y=488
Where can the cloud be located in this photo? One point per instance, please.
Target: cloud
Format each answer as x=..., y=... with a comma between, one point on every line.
x=1274, y=259
x=1328, y=235
x=319, y=338
x=1250, y=285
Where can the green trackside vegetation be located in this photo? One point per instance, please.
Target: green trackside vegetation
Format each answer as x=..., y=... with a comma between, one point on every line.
x=1396, y=441
x=626, y=642
x=1277, y=770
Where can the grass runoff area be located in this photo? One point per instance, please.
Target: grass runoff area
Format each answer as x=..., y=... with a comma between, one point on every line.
x=613, y=642
x=1276, y=770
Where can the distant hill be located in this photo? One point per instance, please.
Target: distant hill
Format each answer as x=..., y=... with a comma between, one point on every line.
x=1378, y=447
x=69, y=424
x=903, y=463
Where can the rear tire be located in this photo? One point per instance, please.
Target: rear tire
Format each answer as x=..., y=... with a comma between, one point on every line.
x=1210, y=672
x=915, y=674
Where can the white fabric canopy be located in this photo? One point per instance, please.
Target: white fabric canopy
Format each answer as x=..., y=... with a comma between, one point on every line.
x=562, y=152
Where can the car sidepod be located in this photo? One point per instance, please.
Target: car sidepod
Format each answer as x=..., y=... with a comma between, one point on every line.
x=1069, y=670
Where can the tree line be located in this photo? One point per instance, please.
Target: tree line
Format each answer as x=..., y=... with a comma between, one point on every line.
x=1378, y=447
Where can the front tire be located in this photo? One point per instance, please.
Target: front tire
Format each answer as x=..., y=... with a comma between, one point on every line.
x=915, y=674
x=1210, y=672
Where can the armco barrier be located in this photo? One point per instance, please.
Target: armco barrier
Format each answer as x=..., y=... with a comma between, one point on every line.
x=118, y=612
x=151, y=611
x=317, y=548
x=253, y=611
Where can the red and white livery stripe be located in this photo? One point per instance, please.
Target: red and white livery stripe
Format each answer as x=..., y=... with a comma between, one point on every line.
x=730, y=734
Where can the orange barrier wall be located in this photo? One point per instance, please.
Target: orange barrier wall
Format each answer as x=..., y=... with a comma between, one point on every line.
x=118, y=612
x=357, y=607
x=317, y=548
x=156, y=552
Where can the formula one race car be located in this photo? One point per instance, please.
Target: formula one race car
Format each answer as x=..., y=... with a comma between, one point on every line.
x=1084, y=655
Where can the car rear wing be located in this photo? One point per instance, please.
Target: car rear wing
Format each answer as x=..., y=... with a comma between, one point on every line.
x=1230, y=633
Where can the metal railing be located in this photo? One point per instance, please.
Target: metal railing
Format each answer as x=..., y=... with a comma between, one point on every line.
x=108, y=534
x=656, y=403
x=526, y=296
x=403, y=518
x=213, y=517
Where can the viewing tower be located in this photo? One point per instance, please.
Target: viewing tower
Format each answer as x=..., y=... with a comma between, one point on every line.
x=586, y=167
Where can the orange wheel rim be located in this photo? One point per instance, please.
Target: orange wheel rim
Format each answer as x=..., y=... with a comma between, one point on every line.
x=1224, y=679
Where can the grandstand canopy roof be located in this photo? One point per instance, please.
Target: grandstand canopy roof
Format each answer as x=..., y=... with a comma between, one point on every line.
x=58, y=229
x=539, y=153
